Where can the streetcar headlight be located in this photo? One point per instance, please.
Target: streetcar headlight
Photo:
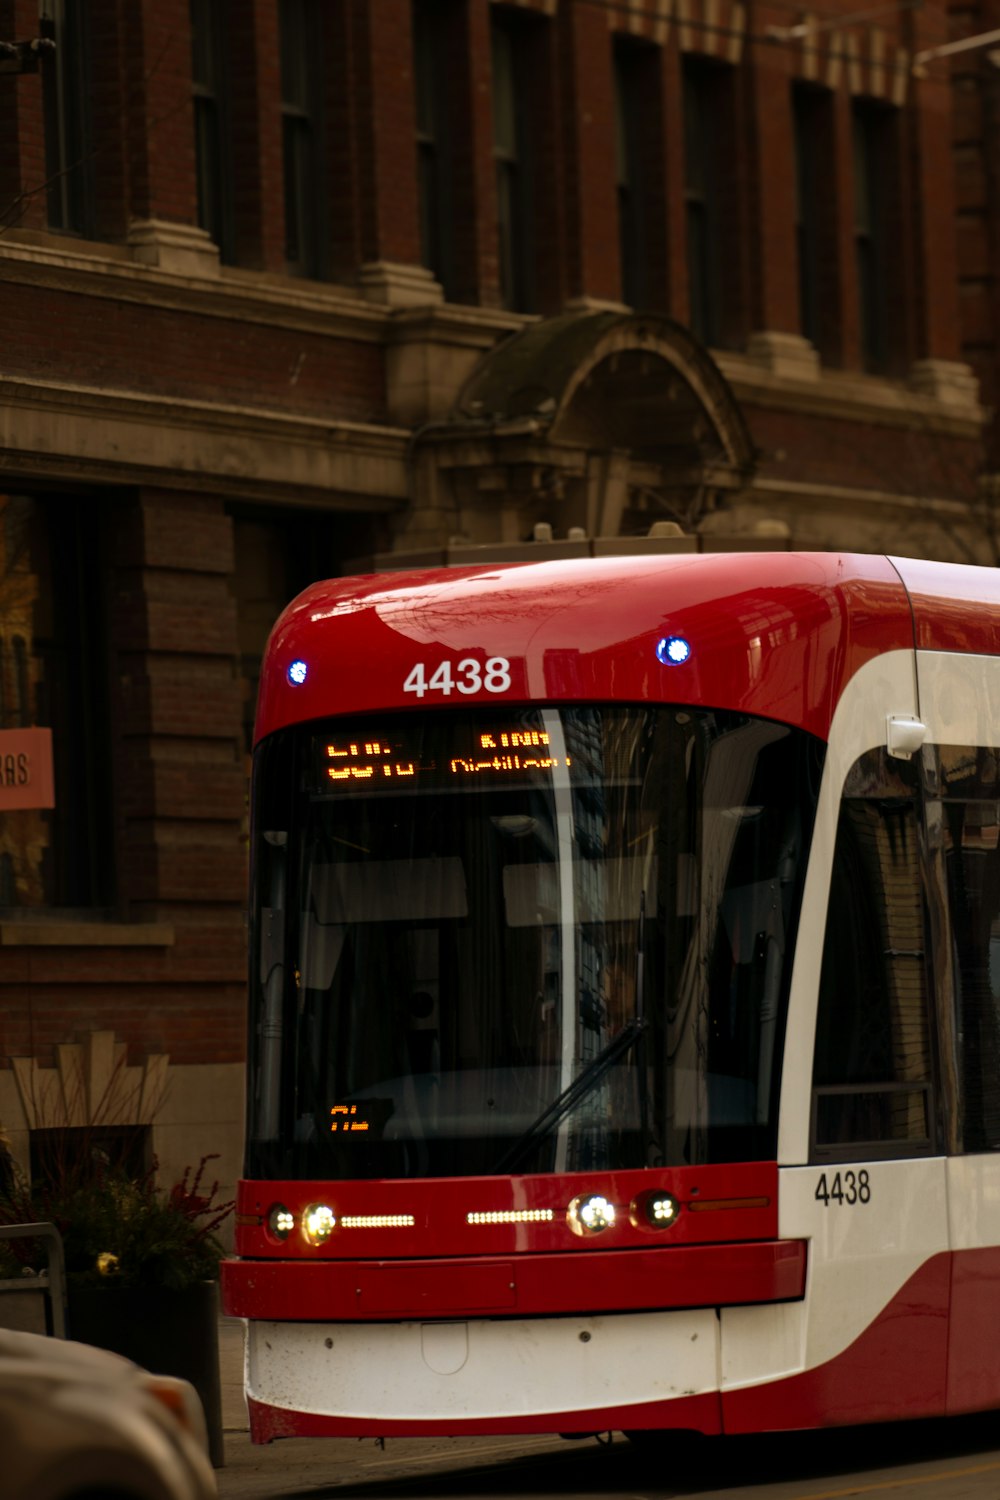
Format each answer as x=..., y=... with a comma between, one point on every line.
x=318, y=1223
x=298, y=671
x=591, y=1213
x=654, y=1211
x=280, y=1221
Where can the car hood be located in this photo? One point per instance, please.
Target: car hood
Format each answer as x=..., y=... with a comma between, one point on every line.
x=32, y=1354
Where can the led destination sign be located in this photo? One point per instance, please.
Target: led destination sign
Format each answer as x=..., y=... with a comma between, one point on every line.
x=385, y=761
x=342, y=1118
x=509, y=751
x=362, y=760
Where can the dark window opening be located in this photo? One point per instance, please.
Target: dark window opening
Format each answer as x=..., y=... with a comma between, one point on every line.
x=302, y=135
x=630, y=64
x=808, y=108
x=707, y=136
x=431, y=42
x=66, y=104
x=277, y=555
x=211, y=126
x=874, y=184
x=512, y=155
x=53, y=671
x=872, y=1071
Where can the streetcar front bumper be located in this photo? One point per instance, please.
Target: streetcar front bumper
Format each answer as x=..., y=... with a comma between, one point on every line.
x=526, y=1285
x=531, y=1343
x=572, y=1374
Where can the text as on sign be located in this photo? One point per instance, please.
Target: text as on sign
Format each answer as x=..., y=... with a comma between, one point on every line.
x=26, y=779
x=513, y=743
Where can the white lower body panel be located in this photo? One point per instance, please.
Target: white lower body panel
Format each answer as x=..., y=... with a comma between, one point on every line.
x=501, y=1368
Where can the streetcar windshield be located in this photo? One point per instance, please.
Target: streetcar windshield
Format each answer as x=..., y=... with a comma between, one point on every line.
x=523, y=940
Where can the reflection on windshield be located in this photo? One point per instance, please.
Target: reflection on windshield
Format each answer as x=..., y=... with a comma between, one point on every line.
x=576, y=958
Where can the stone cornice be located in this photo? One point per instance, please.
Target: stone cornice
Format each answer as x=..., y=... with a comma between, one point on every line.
x=100, y=400
x=108, y=271
x=63, y=934
x=847, y=495
x=455, y=323
x=112, y=272
x=100, y=270
x=851, y=397
x=83, y=433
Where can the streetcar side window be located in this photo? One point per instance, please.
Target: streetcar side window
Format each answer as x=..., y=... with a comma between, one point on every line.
x=969, y=790
x=872, y=1066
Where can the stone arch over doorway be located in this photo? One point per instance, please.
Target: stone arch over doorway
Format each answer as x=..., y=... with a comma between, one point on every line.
x=604, y=421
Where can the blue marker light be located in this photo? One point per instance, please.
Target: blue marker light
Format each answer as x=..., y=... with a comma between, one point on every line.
x=673, y=650
x=297, y=673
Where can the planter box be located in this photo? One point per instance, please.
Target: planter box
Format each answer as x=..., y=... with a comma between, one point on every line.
x=24, y=1309
x=167, y=1332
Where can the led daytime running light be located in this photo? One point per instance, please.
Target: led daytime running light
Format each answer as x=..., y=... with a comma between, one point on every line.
x=377, y=1221
x=512, y=1216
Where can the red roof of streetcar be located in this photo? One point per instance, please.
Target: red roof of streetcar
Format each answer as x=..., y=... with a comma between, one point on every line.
x=773, y=634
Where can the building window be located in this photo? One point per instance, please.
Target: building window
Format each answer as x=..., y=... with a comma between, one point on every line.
x=872, y=124
x=68, y=144
x=277, y=555
x=807, y=105
x=211, y=126
x=511, y=138
x=53, y=675
x=630, y=134
x=431, y=22
x=703, y=197
x=301, y=133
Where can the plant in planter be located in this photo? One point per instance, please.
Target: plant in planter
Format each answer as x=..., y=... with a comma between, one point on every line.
x=118, y=1228
x=141, y=1264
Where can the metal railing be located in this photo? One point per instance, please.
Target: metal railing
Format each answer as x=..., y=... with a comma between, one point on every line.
x=52, y=1280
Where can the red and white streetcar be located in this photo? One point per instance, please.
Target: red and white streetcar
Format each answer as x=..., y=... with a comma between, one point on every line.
x=625, y=999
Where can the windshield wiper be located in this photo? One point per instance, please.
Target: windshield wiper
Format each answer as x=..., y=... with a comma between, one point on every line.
x=571, y=1096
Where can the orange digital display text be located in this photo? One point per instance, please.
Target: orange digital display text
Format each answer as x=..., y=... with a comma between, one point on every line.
x=497, y=752
x=371, y=757
x=343, y=1118
x=512, y=740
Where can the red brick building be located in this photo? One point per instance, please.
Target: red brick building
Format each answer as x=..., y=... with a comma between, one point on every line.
x=289, y=283
x=975, y=77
